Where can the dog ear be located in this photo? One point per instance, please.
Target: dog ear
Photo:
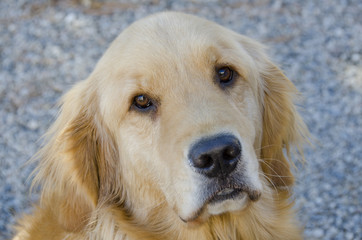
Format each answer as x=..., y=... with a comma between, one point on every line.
x=73, y=162
x=283, y=129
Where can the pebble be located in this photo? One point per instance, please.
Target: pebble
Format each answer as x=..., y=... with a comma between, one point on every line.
x=318, y=233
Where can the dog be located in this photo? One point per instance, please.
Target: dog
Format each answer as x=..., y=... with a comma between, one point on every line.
x=183, y=130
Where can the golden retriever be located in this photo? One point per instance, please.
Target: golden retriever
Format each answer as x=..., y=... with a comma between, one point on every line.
x=183, y=131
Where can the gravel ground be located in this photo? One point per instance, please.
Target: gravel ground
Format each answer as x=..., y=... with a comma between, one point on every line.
x=46, y=46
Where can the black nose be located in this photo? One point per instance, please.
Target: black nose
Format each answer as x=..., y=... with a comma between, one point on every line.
x=216, y=156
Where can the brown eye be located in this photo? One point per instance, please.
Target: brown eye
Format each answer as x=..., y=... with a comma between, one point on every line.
x=142, y=102
x=225, y=75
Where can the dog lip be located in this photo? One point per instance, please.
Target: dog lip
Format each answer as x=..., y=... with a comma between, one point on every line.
x=232, y=192
x=225, y=191
x=225, y=194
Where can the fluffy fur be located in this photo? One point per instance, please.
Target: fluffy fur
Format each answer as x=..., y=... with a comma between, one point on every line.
x=110, y=171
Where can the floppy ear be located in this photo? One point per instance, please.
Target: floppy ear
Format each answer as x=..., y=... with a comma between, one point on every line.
x=283, y=129
x=73, y=162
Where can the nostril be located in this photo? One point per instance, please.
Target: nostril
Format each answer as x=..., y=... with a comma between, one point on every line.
x=204, y=161
x=231, y=152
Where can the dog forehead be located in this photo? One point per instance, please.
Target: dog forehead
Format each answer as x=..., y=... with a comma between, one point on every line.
x=163, y=47
x=164, y=37
x=172, y=29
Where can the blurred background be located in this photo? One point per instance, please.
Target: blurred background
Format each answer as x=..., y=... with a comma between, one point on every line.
x=48, y=45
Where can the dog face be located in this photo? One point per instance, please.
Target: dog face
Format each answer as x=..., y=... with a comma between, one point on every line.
x=184, y=104
x=179, y=112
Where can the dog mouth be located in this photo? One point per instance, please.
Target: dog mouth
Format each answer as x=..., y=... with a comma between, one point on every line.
x=225, y=194
x=232, y=192
x=220, y=196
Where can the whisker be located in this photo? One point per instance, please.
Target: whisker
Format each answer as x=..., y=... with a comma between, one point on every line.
x=270, y=181
x=266, y=146
x=276, y=160
x=277, y=175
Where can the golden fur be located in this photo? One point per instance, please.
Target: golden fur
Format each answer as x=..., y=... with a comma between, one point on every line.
x=109, y=171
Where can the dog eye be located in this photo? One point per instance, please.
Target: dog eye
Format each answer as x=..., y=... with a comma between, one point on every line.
x=225, y=75
x=142, y=102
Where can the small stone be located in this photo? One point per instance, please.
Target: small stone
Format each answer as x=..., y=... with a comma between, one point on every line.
x=355, y=58
x=349, y=235
x=33, y=125
x=12, y=27
x=332, y=231
x=318, y=233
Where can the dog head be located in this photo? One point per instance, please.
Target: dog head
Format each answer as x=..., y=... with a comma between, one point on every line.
x=178, y=111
